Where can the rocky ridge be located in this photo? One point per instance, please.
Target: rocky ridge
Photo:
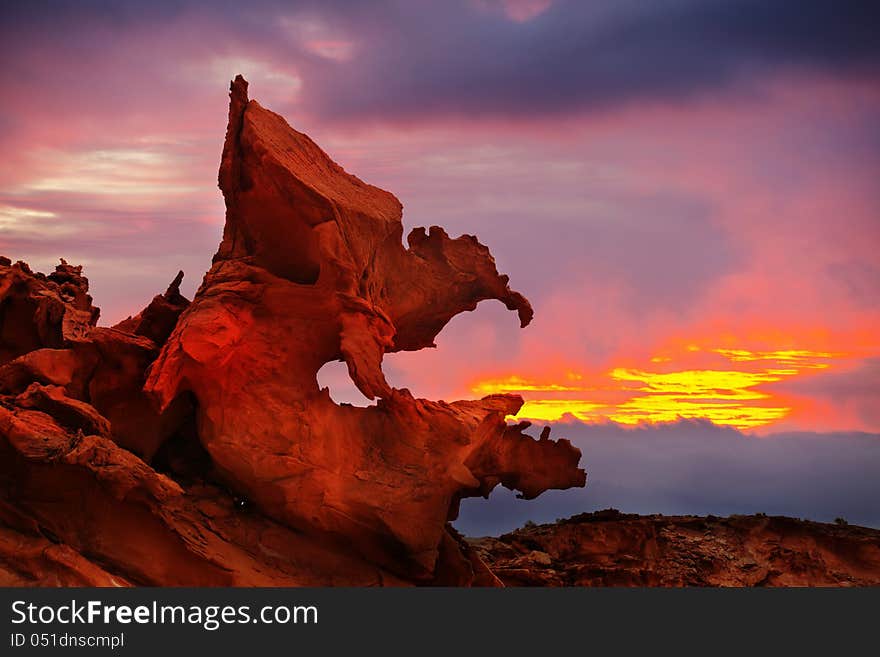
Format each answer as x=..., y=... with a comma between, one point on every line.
x=609, y=548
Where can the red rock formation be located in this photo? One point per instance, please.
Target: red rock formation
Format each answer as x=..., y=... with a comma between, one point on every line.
x=158, y=319
x=190, y=444
x=42, y=311
x=609, y=548
x=50, y=339
x=83, y=495
x=312, y=269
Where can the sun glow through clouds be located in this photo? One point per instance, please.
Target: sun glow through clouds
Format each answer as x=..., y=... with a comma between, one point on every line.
x=734, y=395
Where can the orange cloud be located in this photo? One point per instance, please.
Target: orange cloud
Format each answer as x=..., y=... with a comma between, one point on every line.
x=730, y=394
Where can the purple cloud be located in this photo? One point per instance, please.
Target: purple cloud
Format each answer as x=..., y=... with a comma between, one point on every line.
x=694, y=467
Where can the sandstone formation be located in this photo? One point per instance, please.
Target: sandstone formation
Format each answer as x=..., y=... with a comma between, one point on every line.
x=609, y=548
x=55, y=359
x=191, y=445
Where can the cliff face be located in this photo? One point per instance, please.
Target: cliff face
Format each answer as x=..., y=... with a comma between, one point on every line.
x=191, y=444
x=612, y=549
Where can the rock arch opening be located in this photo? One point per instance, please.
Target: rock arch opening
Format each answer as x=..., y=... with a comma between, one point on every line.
x=334, y=376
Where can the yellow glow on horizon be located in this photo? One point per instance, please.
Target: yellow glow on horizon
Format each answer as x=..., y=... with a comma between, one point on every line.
x=550, y=410
x=518, y=384
x=699, y=384
x=716, y=395
x=669, y=408
x=801, y=357
x=729, y=395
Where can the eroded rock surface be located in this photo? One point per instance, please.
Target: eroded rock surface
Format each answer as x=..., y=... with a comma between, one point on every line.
x=191, y=444
x=53, y=356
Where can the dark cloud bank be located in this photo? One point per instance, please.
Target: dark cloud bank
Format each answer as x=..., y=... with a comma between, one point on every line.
x=583, y=56
x=414, y=59
x=695, y=467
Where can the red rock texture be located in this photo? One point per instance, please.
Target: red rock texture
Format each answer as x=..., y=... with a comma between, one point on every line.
x=191, y=445
x=55, y=359
x=83, y=495
x=42, y=311
x=608, y=548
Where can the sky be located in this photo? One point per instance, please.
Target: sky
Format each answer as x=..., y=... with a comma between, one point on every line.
x=685, y=190
x=698, y=468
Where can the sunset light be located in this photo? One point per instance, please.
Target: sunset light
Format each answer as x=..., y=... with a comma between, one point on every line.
x=482, y=293
x=730, y=396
